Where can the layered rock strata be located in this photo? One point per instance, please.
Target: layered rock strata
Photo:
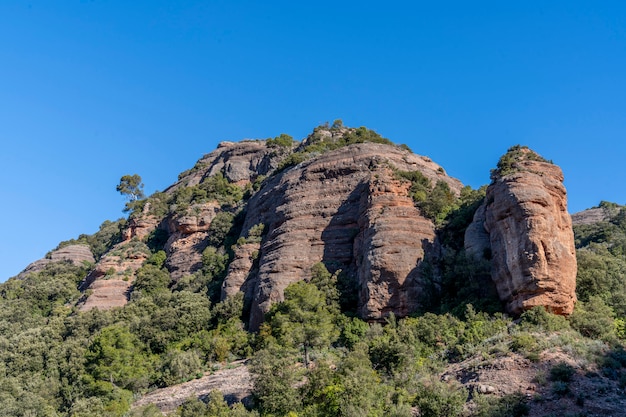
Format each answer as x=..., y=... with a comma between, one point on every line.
x=525, y=229
x=313, y=212
x=77, y=254
x=109, y=284
x=392, y=241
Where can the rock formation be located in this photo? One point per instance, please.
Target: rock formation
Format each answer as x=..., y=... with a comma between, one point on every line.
x=345, y=205
x=393, y=238
x=109, y=284
x=333, y=209
x=525, y=228
x=76, y=254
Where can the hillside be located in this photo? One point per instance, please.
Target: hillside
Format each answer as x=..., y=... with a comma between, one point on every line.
x=357, y=277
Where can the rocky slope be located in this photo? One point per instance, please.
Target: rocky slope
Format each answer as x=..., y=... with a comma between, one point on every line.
x=524, y=227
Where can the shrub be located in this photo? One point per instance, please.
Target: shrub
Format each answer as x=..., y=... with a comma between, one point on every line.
x=282, y=141
x=180, y=366
x=512, y=405
x=594, y=319
x=440, y=399
x=538, y=318
x=562, y=372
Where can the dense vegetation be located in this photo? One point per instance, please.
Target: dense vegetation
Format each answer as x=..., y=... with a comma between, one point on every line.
x=312, y=356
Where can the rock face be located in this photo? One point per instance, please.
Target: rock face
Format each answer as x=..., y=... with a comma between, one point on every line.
x=349, y=209
x=393, y=238
x=76, y=254
x=525, y=227
x=593, y=215
x=187, y=240
x=109, y=284
x=237, y=161
x=334, y=209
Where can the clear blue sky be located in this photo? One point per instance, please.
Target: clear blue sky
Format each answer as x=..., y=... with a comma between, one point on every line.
x=93, y=90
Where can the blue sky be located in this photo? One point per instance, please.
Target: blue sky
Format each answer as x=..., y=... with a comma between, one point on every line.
x=93, y=90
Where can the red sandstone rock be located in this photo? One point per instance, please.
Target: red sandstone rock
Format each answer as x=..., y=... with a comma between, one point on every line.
x=530, y=238
x=312, y=213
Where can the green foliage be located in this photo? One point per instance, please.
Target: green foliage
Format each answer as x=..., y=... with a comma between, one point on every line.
x=116, y=356
x=440, y=399
x=150, y=279
x=463, y=281
x=538, y=318
x=275, y=377
x=420, y=185
x=439, y=203
x=594, y=319
x=325, y=138
x=221, y=226
x=562, y=372
x=292, y=159
x=180, y=366
x=510, y=162
x=131, y=187
x=149, y=410
x=602, y=274
x=511, y=405
x=461, y=216
x=435, y=202
x=109, y=234
x=327, y=284
x=282, y=141
x=213, y=188
x=41, y=293
x=319, y=142
x=524, y=343
x=303, y=319
x=157, y=259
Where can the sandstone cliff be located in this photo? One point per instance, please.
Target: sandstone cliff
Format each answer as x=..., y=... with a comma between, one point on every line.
x=524, y=227
x=77, y=254
x=344, y=204
x=343, y=208
x=109, y=284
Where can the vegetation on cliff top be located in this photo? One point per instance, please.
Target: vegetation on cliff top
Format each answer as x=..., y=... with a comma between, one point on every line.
x=510, y=162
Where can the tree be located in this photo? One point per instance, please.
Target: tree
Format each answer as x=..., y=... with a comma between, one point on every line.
x=303, y=319
x=131, y=187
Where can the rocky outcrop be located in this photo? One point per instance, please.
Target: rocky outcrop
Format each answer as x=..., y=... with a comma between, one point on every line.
x=140, y=227
x=197, y=218
x=233, y=381
x=237, y=161
x=531, y=242
x=77, y=254
x=187, y=239
x=393, y=239
x=110, y=282
x=312, y=213
x=184, y=253
x=594, y=215
x=241, y=270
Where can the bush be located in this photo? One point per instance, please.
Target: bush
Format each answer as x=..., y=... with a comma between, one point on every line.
x=180, y=366
x=440, y=399
x=538, y=318
x=282, y=141
x=512, y=405
x=562, y=372
x=594, y=319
